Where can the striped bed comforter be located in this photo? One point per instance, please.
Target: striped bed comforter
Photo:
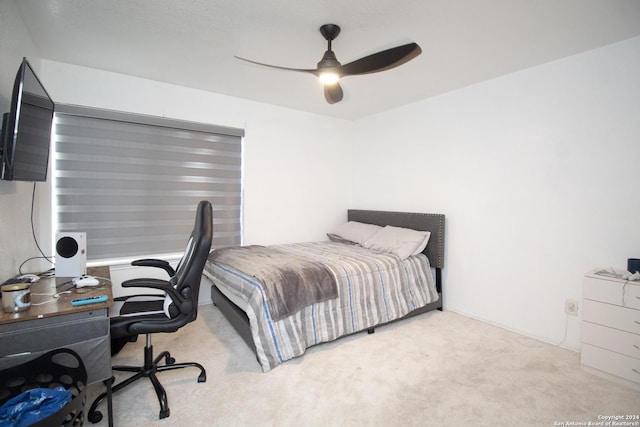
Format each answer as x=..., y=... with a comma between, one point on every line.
x=373, y=288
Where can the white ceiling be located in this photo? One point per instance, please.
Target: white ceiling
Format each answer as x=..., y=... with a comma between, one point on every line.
x=192, y=43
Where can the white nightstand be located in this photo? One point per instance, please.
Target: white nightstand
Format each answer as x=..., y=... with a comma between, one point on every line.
x=611, y=328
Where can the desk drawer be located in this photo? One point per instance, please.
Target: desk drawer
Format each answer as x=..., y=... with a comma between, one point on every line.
x=86, y=332
x=626, y=319
x=611, y=362
x=611, y=339
x=34, y=336
x=95, y=354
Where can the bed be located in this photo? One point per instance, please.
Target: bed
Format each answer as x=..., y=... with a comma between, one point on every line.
x=365, y=293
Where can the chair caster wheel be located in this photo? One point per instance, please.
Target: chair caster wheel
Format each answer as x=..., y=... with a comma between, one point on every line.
x=168, y=360
x=202, y=378
x=95, y=417
x=164, y=414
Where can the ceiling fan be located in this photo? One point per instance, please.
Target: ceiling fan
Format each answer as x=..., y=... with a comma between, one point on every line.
x=329, y=70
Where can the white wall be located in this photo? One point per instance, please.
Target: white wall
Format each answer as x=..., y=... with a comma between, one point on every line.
x=16, y=243
x=537, y=172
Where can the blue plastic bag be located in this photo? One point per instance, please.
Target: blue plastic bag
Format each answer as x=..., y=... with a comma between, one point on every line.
x=32, y=406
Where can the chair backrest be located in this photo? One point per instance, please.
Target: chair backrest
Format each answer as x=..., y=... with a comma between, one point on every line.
x=186, y=281
x=189, y=270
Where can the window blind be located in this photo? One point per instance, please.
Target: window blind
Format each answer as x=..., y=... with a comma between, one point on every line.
x=132, y=182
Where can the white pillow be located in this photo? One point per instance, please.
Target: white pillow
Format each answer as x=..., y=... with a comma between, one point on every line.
x=353, y=231
x=404, y=242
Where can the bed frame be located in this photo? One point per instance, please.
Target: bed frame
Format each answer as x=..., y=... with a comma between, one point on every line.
x=417, y=221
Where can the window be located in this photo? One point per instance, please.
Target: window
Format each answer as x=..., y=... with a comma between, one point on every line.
x=133, y=182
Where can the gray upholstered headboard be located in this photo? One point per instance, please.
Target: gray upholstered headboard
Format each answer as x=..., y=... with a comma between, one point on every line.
x=417, y=221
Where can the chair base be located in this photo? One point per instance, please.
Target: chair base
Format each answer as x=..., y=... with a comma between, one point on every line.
x=149, y=370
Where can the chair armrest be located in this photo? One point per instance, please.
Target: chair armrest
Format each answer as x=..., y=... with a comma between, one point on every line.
x=146, y=282
x=163, y=285
x=184, y=304
x=158, y=263
x=128, y=297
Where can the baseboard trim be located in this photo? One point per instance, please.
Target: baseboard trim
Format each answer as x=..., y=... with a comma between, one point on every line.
x=517, y=331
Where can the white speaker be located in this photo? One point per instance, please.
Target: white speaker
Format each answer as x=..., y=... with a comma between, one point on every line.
x=71, y=254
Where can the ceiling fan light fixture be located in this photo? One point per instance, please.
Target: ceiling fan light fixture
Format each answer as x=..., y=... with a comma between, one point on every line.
x=329, y=77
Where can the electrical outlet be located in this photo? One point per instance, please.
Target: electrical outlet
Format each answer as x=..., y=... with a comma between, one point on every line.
x=571, y=307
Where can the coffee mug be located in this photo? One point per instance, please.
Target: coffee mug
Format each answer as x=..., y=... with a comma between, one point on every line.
x=16, y=297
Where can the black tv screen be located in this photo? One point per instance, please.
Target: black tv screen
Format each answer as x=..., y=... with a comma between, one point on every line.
x=27, y=129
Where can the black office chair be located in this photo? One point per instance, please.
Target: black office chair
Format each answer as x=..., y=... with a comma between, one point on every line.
x=148, y=314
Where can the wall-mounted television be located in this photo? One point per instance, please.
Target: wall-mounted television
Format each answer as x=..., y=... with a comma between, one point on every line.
x=26, y=129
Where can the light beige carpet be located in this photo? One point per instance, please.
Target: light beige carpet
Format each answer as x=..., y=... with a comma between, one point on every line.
x=436, y=369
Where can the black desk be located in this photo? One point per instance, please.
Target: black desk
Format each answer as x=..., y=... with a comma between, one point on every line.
x=84, y=329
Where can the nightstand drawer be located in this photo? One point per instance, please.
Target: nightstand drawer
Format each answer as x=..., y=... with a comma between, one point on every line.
x=632, y=295
x=608, y=291
x=611, y=362
x=611, y=339
x=626, y=319
x=612, y=291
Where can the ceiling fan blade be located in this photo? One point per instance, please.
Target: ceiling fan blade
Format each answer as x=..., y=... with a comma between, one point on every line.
x=333, y=93
x=384, y=60
x=303, y=70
